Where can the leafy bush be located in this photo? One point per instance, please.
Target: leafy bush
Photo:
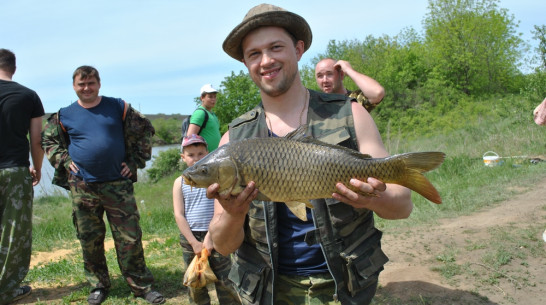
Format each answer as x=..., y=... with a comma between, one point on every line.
x=167, y=131
x=166, y=163
x=535, y=86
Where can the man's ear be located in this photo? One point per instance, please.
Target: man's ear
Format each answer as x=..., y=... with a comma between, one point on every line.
x=300, y=46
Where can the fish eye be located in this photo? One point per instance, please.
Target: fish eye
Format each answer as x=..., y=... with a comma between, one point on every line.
x=204, y=170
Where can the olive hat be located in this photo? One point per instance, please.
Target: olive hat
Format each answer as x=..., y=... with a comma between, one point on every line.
x=267, y=15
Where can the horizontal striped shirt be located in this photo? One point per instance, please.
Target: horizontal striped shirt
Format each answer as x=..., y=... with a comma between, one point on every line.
x=198, y=209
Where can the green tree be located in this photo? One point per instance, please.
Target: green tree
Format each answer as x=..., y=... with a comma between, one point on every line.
x=398, y=63
x=474, y=43
x=167, y=131
x=534, y=86
x=238, y=94
x=540, y=34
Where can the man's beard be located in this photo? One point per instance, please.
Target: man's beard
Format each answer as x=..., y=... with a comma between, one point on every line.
x=281, y=88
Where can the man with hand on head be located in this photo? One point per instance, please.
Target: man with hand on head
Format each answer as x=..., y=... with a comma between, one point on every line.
x=330, y=73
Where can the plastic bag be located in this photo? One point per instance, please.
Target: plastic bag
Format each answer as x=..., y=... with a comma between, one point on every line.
x=199, y=273
x=540, y=113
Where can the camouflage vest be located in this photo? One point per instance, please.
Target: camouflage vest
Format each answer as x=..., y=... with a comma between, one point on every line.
x=137, y=131
x=347, y=235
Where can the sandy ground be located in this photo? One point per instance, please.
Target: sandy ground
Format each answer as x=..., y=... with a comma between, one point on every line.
x=409, y=276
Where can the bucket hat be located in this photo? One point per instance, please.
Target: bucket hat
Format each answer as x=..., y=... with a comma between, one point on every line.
x=267, y=15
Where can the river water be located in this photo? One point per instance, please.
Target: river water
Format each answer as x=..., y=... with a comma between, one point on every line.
x=45, y=188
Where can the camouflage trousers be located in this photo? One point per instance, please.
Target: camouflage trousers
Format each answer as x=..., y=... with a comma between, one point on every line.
x=221, y=265
x=317, y=289
x=16, y=195
x=89, y=203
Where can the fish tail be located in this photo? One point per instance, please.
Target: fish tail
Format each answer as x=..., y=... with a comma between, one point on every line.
x=416, y=164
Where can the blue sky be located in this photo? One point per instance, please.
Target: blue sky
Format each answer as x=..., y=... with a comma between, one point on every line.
x=157, y=54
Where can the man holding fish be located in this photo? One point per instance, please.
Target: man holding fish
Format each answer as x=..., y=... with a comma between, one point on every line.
x=279, y=258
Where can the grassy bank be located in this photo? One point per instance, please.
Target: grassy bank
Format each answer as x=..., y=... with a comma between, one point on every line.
x=463, y=181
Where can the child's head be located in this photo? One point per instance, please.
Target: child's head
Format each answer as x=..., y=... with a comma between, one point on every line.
x=194, y=148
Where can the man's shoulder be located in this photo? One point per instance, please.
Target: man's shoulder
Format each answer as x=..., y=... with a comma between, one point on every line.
x=15, y=86
x=109, y=98
x=201, y=110
x=248, y=116
x=116, y=100
x=64, y=110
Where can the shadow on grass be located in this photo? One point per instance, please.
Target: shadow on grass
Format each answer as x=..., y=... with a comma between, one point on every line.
x=418, y=293
x=167, y=281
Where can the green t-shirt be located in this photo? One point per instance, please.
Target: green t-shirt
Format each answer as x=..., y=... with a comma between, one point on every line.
x=211, y=132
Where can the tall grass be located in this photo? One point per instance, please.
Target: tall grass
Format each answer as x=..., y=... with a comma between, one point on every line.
x=464, y=183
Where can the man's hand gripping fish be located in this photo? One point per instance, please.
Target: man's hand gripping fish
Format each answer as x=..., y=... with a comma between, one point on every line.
x=297, y=168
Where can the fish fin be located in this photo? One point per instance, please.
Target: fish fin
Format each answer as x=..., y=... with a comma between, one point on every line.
x=237, y=189
x=224, y=192
x=262, y=197
x=307, y=203
x=300, y=136
x=416, y=164
x=298, y=208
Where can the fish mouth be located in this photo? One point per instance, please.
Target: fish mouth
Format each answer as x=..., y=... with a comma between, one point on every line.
x=189, y=181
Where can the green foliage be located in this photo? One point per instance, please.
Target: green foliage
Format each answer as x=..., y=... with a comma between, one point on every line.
x=239, y=95
x=437, y=82
x=534, y=84
x=166, y=163
x=434, y=82
x=475, y=44
x=470, y=47
x=534, y=87
x=540, y=34
x=167, y=131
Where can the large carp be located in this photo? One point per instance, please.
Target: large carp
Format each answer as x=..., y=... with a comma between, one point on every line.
x=296, y=169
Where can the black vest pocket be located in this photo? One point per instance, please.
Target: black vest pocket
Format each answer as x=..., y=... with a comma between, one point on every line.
x=249, y=277
x=363, y=261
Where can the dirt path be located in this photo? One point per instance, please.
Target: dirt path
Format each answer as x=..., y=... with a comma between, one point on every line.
x=408, y=275
x=412, y=253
